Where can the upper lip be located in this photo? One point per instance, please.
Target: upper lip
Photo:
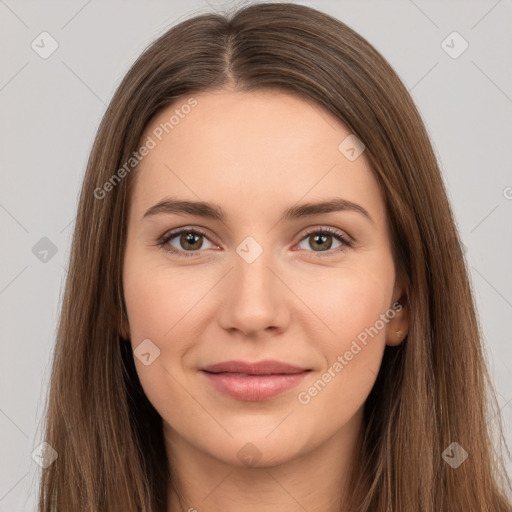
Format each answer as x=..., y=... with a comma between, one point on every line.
x=266, y=367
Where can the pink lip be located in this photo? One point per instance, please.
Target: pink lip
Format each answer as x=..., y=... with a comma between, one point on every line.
x=253, y=381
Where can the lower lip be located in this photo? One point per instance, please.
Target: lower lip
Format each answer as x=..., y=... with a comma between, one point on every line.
x=254, y=388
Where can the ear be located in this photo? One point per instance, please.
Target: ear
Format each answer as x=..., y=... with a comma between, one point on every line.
x=124, y=330
x=398, y=325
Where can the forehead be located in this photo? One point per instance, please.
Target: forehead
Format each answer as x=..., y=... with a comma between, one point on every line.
x=242, y=149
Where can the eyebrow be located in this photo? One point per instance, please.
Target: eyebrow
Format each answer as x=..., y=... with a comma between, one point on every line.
x=215, y=212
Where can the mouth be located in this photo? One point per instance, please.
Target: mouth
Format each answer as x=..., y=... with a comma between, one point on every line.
x=253, y=381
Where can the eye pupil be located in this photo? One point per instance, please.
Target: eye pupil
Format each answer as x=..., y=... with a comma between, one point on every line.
x=189, y=239
x=322, y=238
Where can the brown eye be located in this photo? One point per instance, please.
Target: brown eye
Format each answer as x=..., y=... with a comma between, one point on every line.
x=190, y=241
x=185, y=242
x=322, y=240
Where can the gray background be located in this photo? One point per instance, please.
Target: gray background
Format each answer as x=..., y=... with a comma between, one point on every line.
x=51, y=108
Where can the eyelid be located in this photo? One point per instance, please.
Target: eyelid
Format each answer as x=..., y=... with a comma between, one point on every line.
x=346, y=240
x=168, y=235
x=345, y=237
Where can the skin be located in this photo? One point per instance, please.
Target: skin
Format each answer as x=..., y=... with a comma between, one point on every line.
x=255, y=154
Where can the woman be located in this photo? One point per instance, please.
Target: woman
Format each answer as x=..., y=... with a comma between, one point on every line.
x=267, y=305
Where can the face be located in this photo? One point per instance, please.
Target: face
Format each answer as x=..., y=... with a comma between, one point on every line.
x=212, y=292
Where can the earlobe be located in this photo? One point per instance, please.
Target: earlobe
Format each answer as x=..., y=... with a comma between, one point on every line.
x=398, y=327
x=124, y=330
x=397, y=330
x=395, y=338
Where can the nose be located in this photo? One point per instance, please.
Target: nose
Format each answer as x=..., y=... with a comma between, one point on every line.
x=254, y=299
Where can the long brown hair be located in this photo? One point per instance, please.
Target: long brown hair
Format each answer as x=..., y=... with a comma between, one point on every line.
x=431, y=391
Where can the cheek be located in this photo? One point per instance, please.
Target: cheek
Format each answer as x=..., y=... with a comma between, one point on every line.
x=351, y=305
x=157, y=300
x=354, y=309
x=160, y=306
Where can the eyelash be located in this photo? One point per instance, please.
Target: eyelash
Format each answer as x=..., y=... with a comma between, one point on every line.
x=338, y=235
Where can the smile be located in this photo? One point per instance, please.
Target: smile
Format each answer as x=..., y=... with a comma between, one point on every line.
x=253, y=381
